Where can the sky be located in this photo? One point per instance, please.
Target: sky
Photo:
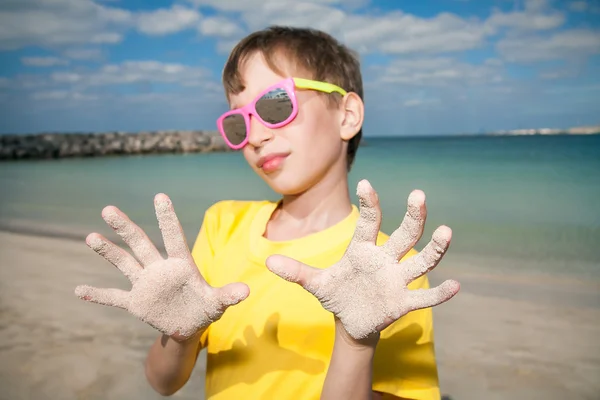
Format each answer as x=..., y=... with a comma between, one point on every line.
x=429, y=67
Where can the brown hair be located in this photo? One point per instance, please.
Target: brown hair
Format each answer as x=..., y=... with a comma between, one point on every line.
x=313, y=51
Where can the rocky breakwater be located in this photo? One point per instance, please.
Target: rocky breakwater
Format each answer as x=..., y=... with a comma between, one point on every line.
x=62, y=145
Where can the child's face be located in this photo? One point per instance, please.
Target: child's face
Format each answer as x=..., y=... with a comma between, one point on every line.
x=307, y=150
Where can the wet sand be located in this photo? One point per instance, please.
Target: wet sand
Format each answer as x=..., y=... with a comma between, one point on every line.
x=505, y=336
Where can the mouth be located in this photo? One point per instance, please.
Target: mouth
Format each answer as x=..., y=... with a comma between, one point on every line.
x=271, y=162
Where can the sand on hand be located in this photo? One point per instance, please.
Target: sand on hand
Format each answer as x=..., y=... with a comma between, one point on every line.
x=168, y=294
x=367, y=289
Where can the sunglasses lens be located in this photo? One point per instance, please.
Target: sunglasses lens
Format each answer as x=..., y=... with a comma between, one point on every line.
x=275, y=106
x=234, y=127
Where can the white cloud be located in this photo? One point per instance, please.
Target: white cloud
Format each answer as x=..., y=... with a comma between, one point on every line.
x=295, y=13
x=565, y=45
x=38, y=22
x=74, y=22
x=248, y=5
x=528, y=20
x=536, y=5
x=62, y=95
x=143, y=77
x=393, y=33
x=106, y=38
x=225, y=46
x=152, y=85
x=179, y=18
x=43, y=61
x=132, y=72
x=419, y=102
x=219, y=26
x=84, y=54
x=439, y=71
x=558, y=74
x=25, y=82
x=50, y=95
x=59, y=22
x=578, y=6
x=166, y=21
x=402, y=33
x=584, y=6
x=66, y=77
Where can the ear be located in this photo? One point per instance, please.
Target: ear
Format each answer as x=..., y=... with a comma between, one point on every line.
x=353, y=113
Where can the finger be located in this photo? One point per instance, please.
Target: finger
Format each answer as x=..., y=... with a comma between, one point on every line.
x=114, y=254
x=170, y=228
x=410, y=230
x=369, y=221
x=133, y=235
x=107, y=297
x=232, y=294
x=424, y=298
x=294, y=271
x=429, y=257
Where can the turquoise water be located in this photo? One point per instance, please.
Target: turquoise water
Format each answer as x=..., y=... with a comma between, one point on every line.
x=532, y=201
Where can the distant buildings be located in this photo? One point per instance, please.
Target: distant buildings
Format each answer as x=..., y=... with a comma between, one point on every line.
x=580, y=130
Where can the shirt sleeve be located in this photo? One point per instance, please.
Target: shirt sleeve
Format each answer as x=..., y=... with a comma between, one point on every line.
x=203, y=251
x=404, y=363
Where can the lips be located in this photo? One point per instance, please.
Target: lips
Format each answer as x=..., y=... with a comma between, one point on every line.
x=271, y=161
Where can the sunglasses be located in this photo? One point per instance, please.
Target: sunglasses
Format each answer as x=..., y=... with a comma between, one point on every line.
x=275, y=107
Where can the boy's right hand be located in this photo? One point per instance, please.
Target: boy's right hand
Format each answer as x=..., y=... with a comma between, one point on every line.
x=169, y=294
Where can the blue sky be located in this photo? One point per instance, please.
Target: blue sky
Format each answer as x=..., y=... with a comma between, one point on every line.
x=430, y=67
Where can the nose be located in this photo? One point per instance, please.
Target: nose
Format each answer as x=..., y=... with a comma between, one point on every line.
x=259, y=134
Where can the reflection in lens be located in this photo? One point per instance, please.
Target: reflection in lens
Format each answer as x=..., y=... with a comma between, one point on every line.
x=275, y=106
x=235, y=128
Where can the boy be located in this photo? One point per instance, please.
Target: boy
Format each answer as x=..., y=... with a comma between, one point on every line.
x=296, y=114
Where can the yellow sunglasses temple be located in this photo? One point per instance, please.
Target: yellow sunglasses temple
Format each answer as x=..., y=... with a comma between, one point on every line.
x=319, y=86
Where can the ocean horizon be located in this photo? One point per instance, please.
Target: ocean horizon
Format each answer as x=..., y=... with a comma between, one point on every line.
x=526, y=204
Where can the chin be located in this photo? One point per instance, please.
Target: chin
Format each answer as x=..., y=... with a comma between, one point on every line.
x=287, y=183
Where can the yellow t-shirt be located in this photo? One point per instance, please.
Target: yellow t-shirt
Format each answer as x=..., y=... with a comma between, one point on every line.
x=277, y=343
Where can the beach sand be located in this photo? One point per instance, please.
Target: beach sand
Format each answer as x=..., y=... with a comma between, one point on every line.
x=505, y=335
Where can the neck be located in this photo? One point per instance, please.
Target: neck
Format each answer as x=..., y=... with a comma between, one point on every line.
x=322, y=206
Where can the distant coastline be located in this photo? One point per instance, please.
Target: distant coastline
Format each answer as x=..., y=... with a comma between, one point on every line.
x=579, y=130
x=53, y=145
x=65, y=145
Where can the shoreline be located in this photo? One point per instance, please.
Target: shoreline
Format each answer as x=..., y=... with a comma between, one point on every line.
x=464, y=263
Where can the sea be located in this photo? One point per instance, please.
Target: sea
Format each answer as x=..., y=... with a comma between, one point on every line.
x=518, y=204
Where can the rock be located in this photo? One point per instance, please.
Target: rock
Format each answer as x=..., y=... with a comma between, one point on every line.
x=62, y=145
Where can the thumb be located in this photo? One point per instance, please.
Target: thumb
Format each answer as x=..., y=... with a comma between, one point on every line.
x=293, y=271
x=233, y=293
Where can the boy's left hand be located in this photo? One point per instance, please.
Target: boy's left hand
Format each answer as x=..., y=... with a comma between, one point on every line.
x=367, y=289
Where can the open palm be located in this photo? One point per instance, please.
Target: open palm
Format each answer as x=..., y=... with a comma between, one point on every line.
x=169, y=294
x=368, y=288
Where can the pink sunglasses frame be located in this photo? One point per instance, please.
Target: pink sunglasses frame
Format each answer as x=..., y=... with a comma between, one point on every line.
x=289, y=85
x=250, y=109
